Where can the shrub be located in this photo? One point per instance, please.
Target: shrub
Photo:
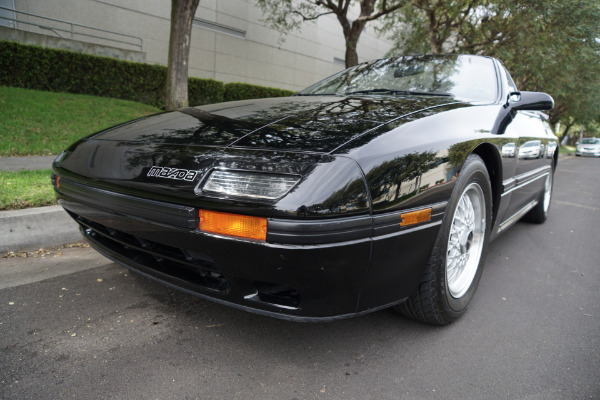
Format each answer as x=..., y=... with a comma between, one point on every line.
x=242, y=91
x=35, y=67
x=203, y=91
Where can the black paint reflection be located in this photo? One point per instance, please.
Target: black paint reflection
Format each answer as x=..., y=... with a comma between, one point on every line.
x=327, y=125
x=328, y=189
x=307, y=124
x=531, y=150
x=552, y=146
x=401, y=178
x=178, y=128
x=509, y=150
x=429, y=108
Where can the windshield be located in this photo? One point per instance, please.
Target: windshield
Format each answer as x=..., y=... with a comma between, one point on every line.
x=469, y=78
x=590, y=141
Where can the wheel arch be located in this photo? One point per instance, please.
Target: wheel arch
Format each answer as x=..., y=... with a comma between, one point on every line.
x=493, y=163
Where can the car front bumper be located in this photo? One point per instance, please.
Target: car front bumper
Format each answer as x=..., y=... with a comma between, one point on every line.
x=588, y=153
x=306, y=270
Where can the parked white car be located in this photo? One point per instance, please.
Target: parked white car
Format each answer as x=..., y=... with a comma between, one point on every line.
x=531, y=149
x=589, y=147
x=509, y=150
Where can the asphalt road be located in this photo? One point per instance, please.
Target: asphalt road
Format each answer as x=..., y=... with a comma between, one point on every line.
x=85, y=328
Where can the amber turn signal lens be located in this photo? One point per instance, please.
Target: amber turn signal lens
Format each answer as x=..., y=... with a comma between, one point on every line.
x=415, y=217
x=233, y=224
x=55, y=180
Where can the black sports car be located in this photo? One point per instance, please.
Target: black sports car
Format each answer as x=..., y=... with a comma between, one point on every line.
x=379, y=186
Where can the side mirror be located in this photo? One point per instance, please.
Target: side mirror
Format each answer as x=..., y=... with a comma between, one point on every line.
x=530, y=101
x=521, y=101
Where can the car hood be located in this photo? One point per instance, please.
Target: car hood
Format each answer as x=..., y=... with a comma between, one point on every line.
x=169, y=156
x=316, y=124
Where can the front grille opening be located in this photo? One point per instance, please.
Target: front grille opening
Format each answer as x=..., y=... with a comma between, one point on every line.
x=171, y=261
x=280, y=295
x=180, y=255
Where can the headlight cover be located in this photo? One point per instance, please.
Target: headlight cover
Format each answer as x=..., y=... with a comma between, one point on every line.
x=249, y=184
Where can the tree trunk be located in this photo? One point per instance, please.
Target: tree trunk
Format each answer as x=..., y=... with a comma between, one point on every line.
x=352, y=33
x=565, y=139
x=398, y=188
x=436, y=47
x=182, y=16
x=351, y=54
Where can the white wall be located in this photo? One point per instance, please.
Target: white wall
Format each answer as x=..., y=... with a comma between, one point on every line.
x=260, y=58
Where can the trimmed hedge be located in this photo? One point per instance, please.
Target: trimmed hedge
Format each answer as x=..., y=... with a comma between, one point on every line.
x=242, y=91
x=35, y=67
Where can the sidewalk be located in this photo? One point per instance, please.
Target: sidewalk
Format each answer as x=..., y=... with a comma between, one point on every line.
x=33, y=228
x=26, y=163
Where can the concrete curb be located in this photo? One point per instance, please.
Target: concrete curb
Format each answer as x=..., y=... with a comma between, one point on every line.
x=36, y=227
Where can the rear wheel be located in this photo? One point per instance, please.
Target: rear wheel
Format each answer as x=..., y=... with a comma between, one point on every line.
x=454, y=269
x=539, y=213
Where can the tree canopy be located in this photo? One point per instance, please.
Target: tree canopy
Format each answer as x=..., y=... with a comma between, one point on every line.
x=288, y=15
x=548, y=45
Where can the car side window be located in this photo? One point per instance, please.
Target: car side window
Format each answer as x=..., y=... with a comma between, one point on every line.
x=511, y=84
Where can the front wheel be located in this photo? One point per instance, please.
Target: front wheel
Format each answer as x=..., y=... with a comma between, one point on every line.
x=454, y=269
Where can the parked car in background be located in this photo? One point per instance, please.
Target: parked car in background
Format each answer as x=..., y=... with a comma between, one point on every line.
x=589, y=147
x=531, y=149
x=380, y=186
x=509, y=150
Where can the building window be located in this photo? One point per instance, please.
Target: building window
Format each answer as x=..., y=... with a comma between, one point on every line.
x=10, y=18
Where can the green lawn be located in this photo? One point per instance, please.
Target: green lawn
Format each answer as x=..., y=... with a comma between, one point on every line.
x=34, y=122
x=567, y=149
x=25, y=189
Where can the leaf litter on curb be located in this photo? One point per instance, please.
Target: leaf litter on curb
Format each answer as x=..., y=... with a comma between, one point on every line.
x=56, y=251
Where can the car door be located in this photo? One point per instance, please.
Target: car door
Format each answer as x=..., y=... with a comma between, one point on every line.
x=531, y=161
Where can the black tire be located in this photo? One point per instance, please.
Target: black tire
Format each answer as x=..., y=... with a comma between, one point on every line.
x=539, y=213
x=441, y=297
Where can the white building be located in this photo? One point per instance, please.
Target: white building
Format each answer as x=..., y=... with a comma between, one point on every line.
x=230, y=42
